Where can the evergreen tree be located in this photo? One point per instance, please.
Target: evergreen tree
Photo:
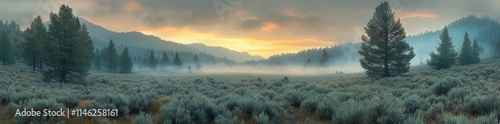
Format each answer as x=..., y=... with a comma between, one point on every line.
x=112, y=57
x=476, y=51
x=466, y=53
x=324, y=58
x=384, y=51
x=152, y=61
x=6, y=53
x=34, y=49
x=97, y=60
x=165, y=61
x=177, y=61
x=126, y=63
x=70, y=49
x=86, y=51
x=446, y=55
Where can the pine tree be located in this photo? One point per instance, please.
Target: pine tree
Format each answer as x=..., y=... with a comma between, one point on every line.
x=177, y=60
x=97, y=60
x=165, y=61
x=86, y=51
x=446, y=55
x=126, y=63
x=152, y=61
x=476, y=51
x=70, y=49
x=6, y=53
x=34, y=49
x=384, y=51
x=112, y=57
x=466, y=53
x=324, y=58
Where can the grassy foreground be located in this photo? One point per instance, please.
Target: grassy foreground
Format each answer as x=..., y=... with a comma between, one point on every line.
x=461, y=94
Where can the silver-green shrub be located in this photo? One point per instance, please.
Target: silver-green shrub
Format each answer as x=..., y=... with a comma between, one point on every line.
x=445, y=85
x=414, y=103
x=262, y=118
x=143, y=118
x=480, y=105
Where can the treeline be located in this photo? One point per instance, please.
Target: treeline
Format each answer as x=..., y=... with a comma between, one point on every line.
x=11, y=39
x=342, y=54
x=114, y=62
x=143, y=59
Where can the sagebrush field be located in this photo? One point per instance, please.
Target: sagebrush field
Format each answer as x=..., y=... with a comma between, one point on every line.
x=461, y=94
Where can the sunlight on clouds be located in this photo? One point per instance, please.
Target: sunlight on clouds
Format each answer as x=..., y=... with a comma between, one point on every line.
x=133, y=6
x=252, y=45
x=417, y=15
x=268, y=26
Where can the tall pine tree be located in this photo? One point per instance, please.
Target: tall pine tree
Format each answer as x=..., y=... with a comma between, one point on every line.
x=384, y=51
x=112, y=57
x=165, y=61
x=34, y=49
x=177, y=60
x=86, y=53
x=125, y=63
x=476, y=51
x=446, y=55
x=152, y=61
x=466, y=53
x=6, y=53
x=70, y=51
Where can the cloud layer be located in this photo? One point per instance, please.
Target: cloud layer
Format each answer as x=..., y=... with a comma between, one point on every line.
x=260, y=27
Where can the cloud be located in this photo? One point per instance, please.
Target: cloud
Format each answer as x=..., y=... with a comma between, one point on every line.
x=268, y=26
x=258, y=26
x=417, y=15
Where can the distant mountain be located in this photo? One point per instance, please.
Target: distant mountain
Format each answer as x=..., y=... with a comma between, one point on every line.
x=101, y=37
x=225, y=52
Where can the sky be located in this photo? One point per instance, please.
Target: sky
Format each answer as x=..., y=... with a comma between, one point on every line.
x=259, y=27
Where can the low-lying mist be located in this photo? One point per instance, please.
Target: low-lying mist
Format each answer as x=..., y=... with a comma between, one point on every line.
x=246, y=69
x=289, y=70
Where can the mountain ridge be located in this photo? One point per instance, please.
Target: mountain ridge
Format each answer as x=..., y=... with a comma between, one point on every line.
x=101, y=36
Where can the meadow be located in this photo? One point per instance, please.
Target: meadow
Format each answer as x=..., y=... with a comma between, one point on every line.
x=461, y=94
